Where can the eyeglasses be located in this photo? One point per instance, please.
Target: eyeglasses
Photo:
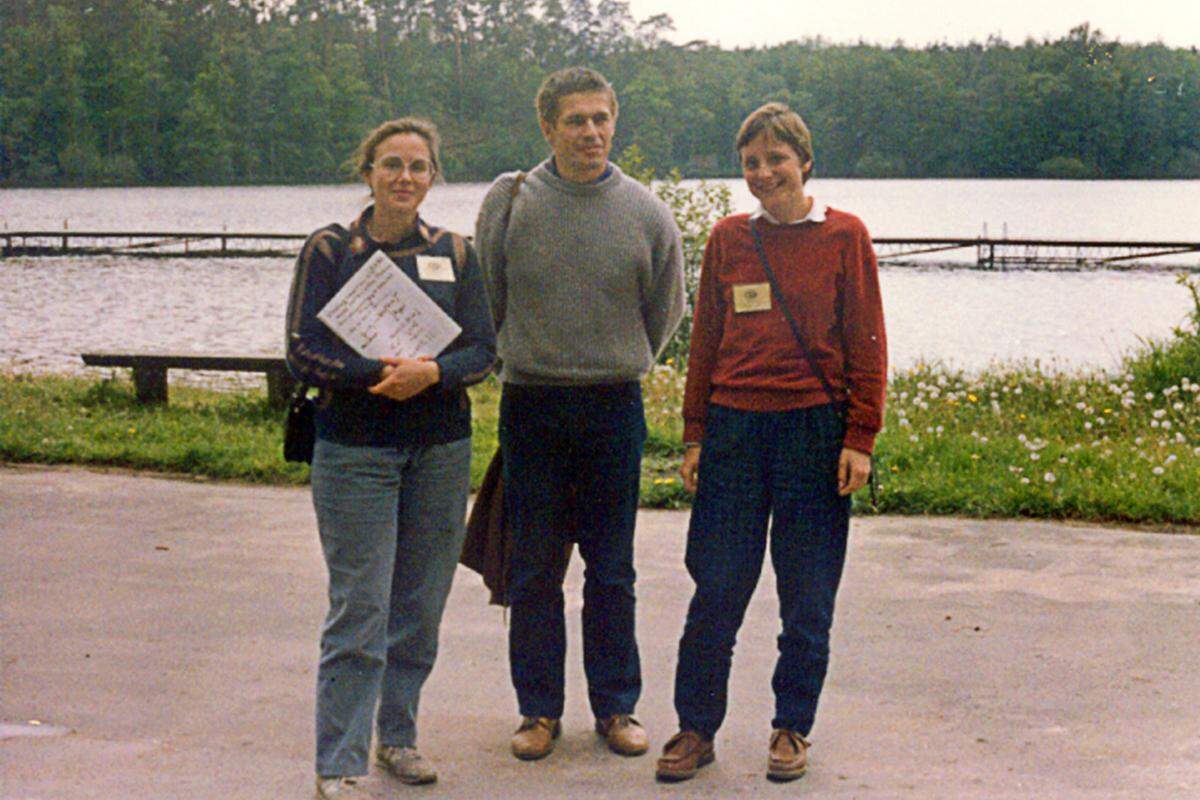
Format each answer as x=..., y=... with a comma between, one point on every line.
x=418, y=168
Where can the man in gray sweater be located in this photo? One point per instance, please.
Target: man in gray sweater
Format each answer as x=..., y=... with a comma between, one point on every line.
x=584, y=268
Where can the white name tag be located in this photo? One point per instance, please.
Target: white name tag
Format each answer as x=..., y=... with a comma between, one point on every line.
x=435, y=268
x=749, y=297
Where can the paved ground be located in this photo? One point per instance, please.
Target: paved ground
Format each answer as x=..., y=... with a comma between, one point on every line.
x=163, y=633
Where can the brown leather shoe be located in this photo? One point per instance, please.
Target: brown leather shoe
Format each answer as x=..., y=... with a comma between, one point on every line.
x=788, y=757
x=535, y=738
x=683, y=756
x=625, y=734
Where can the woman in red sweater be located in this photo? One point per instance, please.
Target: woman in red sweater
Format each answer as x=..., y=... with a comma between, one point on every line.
x=784, y=397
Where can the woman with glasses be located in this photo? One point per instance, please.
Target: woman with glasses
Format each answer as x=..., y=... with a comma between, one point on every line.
x=390, y=468
x=783, y=399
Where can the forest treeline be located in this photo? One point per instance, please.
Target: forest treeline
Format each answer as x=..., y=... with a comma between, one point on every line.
x=238, y=91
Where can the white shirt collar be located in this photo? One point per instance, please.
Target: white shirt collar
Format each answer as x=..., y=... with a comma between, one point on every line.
x=815, y=214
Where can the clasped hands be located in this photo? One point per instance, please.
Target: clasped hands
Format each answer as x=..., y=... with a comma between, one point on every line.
x=403, y=378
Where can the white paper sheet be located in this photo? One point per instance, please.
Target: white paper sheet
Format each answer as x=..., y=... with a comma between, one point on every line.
x=382, y=313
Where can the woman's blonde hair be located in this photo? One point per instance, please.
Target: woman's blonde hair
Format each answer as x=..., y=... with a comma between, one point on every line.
x=781, y=123
x=364, y=155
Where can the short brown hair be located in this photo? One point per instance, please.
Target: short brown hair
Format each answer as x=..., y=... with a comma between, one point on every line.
x=572, y=80
x=781, y=123
x=364, y=154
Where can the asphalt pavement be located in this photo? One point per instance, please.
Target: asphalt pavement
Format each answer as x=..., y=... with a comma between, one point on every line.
x=158, y=639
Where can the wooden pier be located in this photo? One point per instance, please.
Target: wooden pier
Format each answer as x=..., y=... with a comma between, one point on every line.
x=1042, y=254
x=150, y=244
x=963, y=252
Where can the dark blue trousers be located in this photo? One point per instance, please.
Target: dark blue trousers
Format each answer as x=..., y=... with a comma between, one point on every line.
x=756, y=466
x=572, y=463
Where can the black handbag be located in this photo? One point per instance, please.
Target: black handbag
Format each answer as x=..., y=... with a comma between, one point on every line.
x=873, y=480
x=300, y=427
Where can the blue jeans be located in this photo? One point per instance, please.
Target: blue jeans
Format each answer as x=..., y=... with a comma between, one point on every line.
x=572, y=464
x=391, y=526
x=755, y=466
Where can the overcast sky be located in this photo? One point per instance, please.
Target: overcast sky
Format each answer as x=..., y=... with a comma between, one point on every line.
x=738, y=23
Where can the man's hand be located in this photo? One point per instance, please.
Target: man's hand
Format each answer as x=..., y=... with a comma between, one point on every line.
x=853, y=470
x=689, y=469
x=406, y=377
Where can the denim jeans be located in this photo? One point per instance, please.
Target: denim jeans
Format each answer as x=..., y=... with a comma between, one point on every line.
x=755, y=465
x=572, y=462
x=391, y=526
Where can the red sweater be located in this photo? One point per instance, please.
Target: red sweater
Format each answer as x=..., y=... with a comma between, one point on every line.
x=751, y=361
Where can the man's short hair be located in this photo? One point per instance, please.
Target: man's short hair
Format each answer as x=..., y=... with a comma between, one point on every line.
x=783, y=124
x=572, y=80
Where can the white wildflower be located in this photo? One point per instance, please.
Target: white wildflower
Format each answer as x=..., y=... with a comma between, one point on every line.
x=1049, y=477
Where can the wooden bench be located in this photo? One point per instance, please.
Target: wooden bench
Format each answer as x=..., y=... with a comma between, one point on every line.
x=150, y=371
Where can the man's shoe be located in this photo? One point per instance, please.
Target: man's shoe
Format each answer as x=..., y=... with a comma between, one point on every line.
x=339, y=788
x=683, y=756
x=625, y=734
x=788, y=757
x=535, y=738
x=408, y=765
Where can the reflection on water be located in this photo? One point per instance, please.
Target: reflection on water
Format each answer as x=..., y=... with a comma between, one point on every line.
x=53, y=309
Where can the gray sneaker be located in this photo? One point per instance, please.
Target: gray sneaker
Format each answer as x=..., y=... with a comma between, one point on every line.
x=408, y=765
x=340, y=788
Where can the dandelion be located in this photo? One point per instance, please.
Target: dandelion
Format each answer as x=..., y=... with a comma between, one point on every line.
x=972, y=398
x=1049, y=477
x=1021, y=416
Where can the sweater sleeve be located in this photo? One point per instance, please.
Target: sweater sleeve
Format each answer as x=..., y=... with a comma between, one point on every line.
x=663, y=304
x=491, y=229
x=864, y=344
x=707, y=330
x=471, y=359
x=315, y=354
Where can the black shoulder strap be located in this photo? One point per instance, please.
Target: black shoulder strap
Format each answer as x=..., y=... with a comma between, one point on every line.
x=787, y=312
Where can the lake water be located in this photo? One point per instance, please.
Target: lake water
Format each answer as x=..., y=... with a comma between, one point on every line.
x=52, y=309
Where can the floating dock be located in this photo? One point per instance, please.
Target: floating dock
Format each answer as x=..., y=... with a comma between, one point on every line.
x=965, y=252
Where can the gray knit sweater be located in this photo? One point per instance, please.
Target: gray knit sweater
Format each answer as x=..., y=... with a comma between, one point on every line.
x=585, y=281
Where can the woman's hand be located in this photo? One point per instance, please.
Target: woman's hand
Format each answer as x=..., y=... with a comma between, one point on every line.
x=406, y=377
x=690, y=467
x=853, y=470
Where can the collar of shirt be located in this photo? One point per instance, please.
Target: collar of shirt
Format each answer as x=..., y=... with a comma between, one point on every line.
x=815, y=214
x=359, y=237
x=608, y=170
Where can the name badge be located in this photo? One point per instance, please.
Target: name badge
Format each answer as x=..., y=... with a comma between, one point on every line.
x=435, y=268
x=751, y=297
